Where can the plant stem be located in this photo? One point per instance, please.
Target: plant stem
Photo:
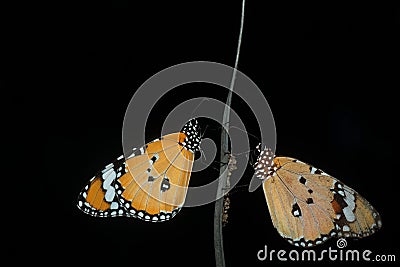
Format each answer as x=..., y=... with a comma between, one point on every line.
x=219, y=205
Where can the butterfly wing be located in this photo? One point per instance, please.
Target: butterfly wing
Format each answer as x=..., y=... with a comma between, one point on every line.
x=151, y=184
x=156, y=186
x=308, y=206
x=98, y=198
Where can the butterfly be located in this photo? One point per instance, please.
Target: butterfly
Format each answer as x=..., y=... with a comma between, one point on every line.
x=309, y=206
x=150, y=184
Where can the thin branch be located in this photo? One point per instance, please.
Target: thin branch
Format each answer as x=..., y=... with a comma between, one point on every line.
x=219, y=205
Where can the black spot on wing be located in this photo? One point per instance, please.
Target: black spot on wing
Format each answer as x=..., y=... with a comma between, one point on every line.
x=165, y=185
x=296, y=211
x=153, y=159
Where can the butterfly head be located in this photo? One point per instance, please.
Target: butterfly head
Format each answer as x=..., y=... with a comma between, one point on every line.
x=193, y=138
x=264, y=167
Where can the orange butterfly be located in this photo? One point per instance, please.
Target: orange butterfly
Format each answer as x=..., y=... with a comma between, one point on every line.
x=308, y=206
x=150, y=184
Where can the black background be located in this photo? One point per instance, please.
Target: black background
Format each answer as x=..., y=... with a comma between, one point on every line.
x=327, y=71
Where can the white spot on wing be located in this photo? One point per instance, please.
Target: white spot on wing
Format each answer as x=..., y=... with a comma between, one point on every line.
x=313, y=170
x=110, y=194
x=108, y=179
x=109, y=166
x=349, y=199
x=106, y=172
x=348, y=213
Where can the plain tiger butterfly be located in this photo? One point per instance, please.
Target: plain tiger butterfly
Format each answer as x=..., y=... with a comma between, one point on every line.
x=150, y=184
x=308, y=206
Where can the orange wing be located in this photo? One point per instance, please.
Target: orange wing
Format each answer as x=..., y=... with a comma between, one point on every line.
x=98, y=198
x=154, y=189
x=308, y=206
x=151, y=184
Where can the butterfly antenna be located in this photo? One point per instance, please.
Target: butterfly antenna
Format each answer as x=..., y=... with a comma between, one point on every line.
x=205, y=129
x=198, y=105
x=248, y=133
x=203, y=155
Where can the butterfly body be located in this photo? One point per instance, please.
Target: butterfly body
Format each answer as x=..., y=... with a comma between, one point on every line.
x=309, y=206
x=149, y=184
